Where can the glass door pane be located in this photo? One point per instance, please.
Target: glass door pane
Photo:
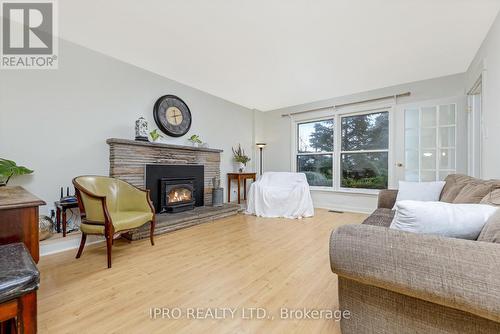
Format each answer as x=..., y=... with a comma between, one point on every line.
x=447, y=115
x=428, y=138
x=447, y=136
x=412, y=118
x=447, y=159
x=428, y=116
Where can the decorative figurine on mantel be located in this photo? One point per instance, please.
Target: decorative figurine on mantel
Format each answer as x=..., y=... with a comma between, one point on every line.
x=217, y=192
x=141, y=129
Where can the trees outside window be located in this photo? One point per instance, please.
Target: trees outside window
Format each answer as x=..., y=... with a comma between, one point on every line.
x=315, y=152
x=365, y=151
x=363, y=156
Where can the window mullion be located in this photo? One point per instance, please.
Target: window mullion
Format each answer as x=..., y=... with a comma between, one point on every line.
x=366, y=151
x=336, y=149
x=314, y=153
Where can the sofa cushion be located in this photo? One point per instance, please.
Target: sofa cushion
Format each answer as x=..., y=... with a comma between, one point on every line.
x=453, y=186
x=387, y=198
x=122, y=220
x=451, y=193
x=452, y=220
x=380, y=217
x=474, y=192
x=419, y=191
x=491, y=230
x=492, y=198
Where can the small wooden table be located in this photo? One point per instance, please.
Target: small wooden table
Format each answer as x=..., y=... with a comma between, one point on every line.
x=61, y=208
x=19, y=218
x=239, y=177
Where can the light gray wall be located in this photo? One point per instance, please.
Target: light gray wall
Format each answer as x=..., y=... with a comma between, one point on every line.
x=57, y=121
x=277, y=132
x=487, y=63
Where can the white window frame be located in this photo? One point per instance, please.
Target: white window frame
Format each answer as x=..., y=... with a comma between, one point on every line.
x=337, y=115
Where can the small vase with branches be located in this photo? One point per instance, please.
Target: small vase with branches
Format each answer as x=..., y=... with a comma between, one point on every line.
x=240, y=157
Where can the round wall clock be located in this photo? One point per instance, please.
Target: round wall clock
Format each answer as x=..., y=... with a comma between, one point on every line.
x=172, y=115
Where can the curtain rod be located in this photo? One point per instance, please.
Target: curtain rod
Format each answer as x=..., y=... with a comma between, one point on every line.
x=335, y=106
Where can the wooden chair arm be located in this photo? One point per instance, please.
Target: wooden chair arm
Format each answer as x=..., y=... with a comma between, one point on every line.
x=108, y=224
x=148, y=197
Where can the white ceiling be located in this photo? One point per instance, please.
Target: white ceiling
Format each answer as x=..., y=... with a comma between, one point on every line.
x=268, y=54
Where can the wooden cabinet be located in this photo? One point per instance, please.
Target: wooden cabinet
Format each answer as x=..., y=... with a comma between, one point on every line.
x=19, y=218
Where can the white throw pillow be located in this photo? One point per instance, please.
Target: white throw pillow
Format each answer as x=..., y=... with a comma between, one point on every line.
x=419, y=191
x=463, y=221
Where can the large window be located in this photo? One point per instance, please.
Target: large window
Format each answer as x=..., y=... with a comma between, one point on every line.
x=315, y=152
x=365, y=151
x=362, y=141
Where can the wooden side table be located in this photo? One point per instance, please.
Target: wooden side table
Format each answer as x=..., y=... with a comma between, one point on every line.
x=239, y=177
x=61, y=208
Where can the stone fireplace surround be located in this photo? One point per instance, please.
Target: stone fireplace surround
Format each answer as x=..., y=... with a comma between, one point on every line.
x=128, y=160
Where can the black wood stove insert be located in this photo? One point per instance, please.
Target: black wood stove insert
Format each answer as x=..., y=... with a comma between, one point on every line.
x=177, y=194
x=175, y=188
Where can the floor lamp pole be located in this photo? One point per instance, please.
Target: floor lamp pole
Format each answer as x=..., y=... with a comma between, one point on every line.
x=260, y=148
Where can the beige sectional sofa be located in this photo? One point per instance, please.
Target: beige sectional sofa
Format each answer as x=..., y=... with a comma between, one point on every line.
x=398, y=282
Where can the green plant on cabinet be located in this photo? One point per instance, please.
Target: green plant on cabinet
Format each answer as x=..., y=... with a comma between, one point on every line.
x=9, y=168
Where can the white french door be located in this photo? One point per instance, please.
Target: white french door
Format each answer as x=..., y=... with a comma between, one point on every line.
x=430, y=140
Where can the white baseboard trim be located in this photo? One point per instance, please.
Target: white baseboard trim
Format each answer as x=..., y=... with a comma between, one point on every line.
x=346, y=209
x=68, y=243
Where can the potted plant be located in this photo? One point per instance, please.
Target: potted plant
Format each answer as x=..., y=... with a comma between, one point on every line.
x=9, y=168
x=155, y=135
x=195, y=140
x=240, y=157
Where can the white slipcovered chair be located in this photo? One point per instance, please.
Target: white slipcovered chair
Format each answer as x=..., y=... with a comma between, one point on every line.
x=278, y=194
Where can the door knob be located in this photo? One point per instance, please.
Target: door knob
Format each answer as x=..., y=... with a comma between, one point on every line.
x=399, y=164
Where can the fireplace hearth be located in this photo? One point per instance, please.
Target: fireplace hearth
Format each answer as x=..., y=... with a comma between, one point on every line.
x=177, y=194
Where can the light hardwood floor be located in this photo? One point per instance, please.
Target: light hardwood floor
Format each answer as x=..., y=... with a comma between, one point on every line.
x=237, y=262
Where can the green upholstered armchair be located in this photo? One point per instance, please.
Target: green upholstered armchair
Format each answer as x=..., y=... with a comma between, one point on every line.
x=109, y=206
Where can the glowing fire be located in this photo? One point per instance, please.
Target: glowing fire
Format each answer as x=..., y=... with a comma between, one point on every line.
x=179, y=195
